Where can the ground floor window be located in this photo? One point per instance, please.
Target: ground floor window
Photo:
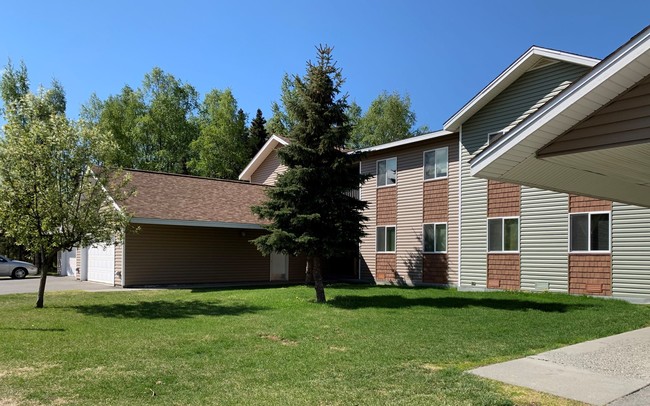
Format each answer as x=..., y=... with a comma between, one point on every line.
x=589, y=232
x=503, y=234
x=435, y=237
x=386, y=239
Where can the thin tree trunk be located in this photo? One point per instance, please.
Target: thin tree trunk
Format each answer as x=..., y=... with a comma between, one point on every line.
x=309, y=272
x=318, y=280
x=41, y=286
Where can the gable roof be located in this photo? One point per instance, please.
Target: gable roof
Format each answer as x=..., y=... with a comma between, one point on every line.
x=533, y=58
x=406, y=141
x=516, y=157
x=163, y=198
x=261, y=155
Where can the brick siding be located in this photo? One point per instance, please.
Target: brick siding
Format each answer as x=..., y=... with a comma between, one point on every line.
x=579, y=204
x=387, y=268
x=590, y=274
x=503, y=271
x=387, y=206
x=435, y=269
x=503, y=199
x=436, y=201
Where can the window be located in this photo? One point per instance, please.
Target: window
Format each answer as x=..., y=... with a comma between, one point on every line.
x=589, y=232
x=386, y=239
x=436, y=163
x=503, y=234
x=435, y=237
x=387, y=172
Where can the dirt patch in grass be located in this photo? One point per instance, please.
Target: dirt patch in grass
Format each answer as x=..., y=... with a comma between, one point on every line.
x=279, y=339
x=528, y=397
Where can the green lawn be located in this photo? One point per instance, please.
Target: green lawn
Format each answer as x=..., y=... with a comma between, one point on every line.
x=368, y=345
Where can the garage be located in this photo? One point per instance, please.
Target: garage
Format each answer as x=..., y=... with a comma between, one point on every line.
x=101, y=263
x=68, y=264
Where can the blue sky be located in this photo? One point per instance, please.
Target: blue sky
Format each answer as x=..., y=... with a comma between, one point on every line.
x=440, y=53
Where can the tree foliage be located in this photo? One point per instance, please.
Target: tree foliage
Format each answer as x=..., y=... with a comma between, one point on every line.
x=257, y=134
x=50, y=199
x=311, y=209
x=389, y=118
x=221, y=150
x=283, y=118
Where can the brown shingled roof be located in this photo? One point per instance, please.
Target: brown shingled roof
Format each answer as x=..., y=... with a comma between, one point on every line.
x=179, y=197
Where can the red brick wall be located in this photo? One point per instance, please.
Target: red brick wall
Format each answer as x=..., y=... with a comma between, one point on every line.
x=435, y=201
x=503, y=199
x=434, y=269
x=579, y=204
x=387, y=206
x=386, y=267
x=503, y=271
x=590, y=274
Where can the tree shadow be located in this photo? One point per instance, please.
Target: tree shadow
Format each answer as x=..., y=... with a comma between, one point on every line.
x=353, y=302
x=162, y=309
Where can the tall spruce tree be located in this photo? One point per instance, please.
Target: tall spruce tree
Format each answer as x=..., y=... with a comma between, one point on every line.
x=257, y=133
x=311, y=209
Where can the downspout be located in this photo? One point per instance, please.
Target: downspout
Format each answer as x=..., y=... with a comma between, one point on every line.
x=460, y=202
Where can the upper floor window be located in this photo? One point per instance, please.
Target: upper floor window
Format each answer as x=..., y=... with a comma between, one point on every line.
x=435, y=237
x=386, y=239
x=436, y=163
x=387, y=172
x=503, y=234
x=589, y=231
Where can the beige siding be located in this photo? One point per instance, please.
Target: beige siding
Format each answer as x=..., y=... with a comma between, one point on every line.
x=119, y=257
x=630, y=251
x=410, y=174
x=368, y=193
x=268, y=171
x=173, y=254
x=544, y=240
x=510, y=107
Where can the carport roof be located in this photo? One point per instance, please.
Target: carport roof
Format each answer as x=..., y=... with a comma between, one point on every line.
x=163, y=198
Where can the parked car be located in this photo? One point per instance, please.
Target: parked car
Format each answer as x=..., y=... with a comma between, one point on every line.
x=16, y=269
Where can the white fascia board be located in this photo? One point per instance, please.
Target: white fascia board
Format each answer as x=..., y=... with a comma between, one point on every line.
x=407, y=141
x=195, y=223
x=508, y=76
x=611, y=65
x=261, y=155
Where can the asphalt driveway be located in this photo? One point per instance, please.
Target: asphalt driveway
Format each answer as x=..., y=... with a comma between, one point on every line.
x=54, y=283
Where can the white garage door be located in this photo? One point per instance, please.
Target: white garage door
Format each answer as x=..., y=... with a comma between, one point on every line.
x=101, y=264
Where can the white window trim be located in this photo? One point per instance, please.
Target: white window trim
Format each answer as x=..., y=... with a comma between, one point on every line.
x=503, y=234
x=489, y=135
x=434, y=234
x=377, y=173
x=589, y=251
x=385, y=235
x=424, y=174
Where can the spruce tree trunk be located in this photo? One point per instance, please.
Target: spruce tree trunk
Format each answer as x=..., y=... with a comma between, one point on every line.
x=318, y=280
x=41, y=287
x=309, y=272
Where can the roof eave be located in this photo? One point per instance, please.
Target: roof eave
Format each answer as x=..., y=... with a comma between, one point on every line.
x=261, y=155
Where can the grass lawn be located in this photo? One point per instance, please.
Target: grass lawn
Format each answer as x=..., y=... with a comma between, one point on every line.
x=368, y=345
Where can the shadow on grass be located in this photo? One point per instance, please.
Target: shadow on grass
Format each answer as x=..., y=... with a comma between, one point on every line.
x=162, y=309
x=398, y=302
x=32, y=329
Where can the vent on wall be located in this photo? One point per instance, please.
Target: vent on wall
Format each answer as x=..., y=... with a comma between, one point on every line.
x=542, y=286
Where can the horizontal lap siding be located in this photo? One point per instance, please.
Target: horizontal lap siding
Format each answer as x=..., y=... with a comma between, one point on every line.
x=297, y=267
x=173, y=254
x=630, y=251
x=521, y=99
x=452, y=225
x=268, y=171
x=410, y=173
x=368, y=193
x=544, y=240
x=119, y=257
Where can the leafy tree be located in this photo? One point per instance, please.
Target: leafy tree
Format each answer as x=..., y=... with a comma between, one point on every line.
x=310, y=209
x=50, y=200
x=221, y=150
x=153, y=125
x=257, y=134
x=389, y=118
x=282, y=119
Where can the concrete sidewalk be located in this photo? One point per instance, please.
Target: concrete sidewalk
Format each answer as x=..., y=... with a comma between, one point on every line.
x=54, y=283
x=609, y=371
